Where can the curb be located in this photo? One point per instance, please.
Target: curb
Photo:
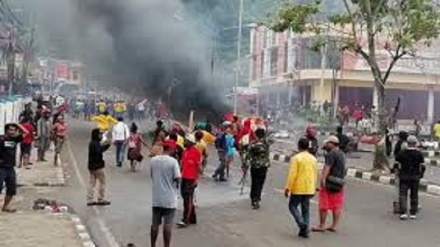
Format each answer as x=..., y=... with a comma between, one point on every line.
x=425, y=186
x=431, y=153
x=81, y=230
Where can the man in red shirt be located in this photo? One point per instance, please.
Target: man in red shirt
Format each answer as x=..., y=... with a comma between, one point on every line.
x=191, y=167
x=26, y=144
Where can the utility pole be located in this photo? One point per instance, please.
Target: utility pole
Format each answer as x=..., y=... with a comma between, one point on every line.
x=10, y=59
x=238, y=69
x=27, y=56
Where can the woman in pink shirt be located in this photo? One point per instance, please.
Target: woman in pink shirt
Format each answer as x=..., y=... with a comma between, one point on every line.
x=59, y=134
x=135, y=142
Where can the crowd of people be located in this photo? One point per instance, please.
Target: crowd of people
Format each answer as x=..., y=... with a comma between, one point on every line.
x=133, y=109
x=179, y=158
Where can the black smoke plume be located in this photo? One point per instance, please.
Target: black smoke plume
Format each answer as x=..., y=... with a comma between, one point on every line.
x=144, y=46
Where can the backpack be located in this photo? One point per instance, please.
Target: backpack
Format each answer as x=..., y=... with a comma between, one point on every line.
x=220, y=142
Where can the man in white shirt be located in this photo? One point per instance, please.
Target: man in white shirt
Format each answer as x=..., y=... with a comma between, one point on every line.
x=120, y=135
x=165, y=176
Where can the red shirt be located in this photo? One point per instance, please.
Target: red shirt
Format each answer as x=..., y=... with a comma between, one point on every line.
x=29, y=137
x=191, y=159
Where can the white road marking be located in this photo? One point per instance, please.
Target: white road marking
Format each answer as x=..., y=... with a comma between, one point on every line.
x=110, y=239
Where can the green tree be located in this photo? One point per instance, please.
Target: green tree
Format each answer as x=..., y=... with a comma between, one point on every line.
x=404, y=25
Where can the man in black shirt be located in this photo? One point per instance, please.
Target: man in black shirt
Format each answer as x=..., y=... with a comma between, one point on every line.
x=411, y=171
x=8, y=150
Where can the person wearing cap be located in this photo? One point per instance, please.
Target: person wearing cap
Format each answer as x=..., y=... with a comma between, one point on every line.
x=331, y=192
x=191, y=167
x=411, y=170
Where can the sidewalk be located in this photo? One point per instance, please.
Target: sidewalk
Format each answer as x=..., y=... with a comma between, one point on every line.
x=31, y=228
x=34, y=229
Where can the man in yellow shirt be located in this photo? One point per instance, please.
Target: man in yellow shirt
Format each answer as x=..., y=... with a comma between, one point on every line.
x=436, y=131
x=201, y=146
x=301, y=186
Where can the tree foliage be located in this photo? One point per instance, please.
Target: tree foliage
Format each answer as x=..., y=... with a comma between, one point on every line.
x=405, y=25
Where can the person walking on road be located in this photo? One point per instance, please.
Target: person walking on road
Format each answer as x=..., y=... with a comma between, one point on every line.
x=220, y=145
x=59, y=136
x=191, y=167
x=96, y=166
x=44, y=130
x=258, y=160
x=301, y=186
x=165, y=176
x=120, y=135
x=411, y=170
x=331, y=193
x=135, y=142
x=14, y=134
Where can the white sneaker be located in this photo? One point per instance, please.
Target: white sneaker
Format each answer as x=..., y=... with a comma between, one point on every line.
x=403, y=216
x=413, y=216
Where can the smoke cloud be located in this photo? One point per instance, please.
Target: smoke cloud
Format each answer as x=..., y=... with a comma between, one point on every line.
x=143, y=47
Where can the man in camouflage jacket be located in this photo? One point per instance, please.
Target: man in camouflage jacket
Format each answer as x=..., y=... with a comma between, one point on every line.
x=257, y=159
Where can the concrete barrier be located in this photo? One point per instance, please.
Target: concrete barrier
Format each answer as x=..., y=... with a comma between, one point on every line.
x=10, y=109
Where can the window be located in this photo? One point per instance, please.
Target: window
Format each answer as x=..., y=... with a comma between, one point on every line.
x=273, y=61
x=75, y=75
x=262, y=61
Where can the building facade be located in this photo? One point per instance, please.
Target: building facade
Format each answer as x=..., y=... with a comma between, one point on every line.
x=288, y=68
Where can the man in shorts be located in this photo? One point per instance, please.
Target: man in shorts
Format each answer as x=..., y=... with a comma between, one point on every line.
x=165, y=176
x=331, y=193
x=8, y=149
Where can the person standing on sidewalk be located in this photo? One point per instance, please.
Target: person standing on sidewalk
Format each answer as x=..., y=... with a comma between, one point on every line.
x=165, y=176
x=258, y=160
x=96, y=166
x=331, y=192
x=301, y=186
x=14, y=134
x=411, y=171
x=26, y=144
x=44, y=130
x=191, y=167
x=59, y=135
x=120, y=135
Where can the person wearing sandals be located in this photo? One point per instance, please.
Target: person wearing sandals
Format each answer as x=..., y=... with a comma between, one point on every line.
x=14, y=134
x=96, y=166
x=331, y=192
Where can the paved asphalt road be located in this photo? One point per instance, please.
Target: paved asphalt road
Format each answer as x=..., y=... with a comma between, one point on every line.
x=225, y=217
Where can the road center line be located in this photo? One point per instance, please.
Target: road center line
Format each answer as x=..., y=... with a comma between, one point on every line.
x=110, y=239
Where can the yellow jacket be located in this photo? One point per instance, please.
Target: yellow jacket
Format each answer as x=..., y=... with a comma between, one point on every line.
x=104, y=122
x=303, y=174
